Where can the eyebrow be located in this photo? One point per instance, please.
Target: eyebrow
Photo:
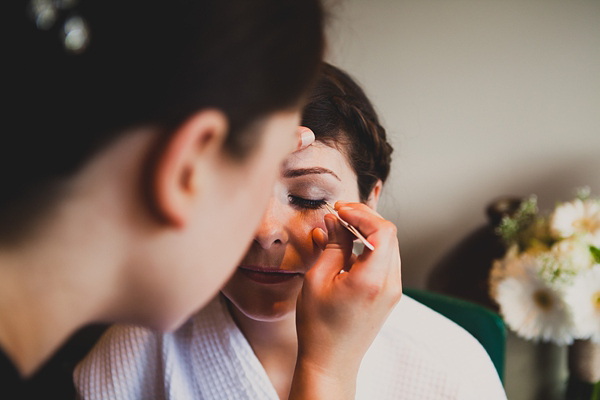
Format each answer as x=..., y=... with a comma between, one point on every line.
x=293, y=173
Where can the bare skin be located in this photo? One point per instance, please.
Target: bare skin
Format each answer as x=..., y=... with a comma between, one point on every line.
x=102, y=254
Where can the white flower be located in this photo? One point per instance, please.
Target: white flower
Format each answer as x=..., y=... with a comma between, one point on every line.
x=594, y=240
x=534, y=310
x=565, y=259
x=510, y=265
x=583, y=297
x=574, y=251
x=576, y=217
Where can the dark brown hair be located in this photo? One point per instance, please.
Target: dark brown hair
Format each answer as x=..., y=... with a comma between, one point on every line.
x=147, y=63
x=341, y=116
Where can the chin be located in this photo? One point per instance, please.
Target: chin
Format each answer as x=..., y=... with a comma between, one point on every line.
x=264, y=310
x=269, y=315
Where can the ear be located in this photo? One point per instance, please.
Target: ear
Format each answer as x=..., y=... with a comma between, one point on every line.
x=373, y=199
x=182, y=163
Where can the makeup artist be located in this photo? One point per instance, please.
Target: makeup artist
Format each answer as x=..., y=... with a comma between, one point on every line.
x=136, y=137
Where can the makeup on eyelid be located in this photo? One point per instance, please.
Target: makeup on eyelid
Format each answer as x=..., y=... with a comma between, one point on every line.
x=325, y=181
x=306, y=204
x=310, y=194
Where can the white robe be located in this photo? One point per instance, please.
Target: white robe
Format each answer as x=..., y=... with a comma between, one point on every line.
x=418, y=354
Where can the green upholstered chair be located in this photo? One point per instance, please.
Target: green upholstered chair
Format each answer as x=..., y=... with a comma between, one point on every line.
x=485, y=325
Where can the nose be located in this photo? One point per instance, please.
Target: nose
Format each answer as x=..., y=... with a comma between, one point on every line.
x=271, y=231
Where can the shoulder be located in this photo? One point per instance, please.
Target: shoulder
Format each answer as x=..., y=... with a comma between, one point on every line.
x=425, y=352
x=133, y=362
x=120, y=365
x=432, y=332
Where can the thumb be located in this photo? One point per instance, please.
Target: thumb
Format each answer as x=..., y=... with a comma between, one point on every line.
x=305, y=137
x=337, y=253
x=320, y=239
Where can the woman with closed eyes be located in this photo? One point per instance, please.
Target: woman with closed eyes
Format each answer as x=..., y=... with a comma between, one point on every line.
x=247, y=342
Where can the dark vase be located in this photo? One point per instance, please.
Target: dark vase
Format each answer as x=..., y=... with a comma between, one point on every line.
x=584, y=361
x=463, y=272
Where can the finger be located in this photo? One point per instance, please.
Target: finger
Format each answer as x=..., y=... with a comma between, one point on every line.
x=337, y=253
x=381, y=265
x=361, y=206
x=306, y=137
x=365, y=220
x=350, y=262
x=338, y=236
x=320, y=238
x=384, y=261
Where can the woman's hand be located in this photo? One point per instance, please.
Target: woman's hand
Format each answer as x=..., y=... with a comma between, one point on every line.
x=339, y=314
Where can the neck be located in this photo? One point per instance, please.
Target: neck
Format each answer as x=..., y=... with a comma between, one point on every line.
x=275, y=344
x=273, y=335
x=69, y=271
x=45, y=296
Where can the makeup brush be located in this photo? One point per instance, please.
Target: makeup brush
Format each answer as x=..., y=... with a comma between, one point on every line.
x=352, y=229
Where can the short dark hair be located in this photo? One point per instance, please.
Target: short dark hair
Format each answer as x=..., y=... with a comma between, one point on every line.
x=148, y=62
x=341, y=116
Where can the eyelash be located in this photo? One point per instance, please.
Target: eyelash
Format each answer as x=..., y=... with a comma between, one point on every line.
x=308, y=204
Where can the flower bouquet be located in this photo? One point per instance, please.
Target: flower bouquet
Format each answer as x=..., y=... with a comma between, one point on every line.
x=548, y=283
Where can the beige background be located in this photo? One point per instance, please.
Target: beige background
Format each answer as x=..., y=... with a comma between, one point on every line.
x=481, y=98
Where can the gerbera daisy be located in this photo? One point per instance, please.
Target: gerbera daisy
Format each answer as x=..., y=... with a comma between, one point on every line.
x=578, y=216
x=565, y=260
x=575, y=251
x=509, y=265
x=535, y=311
x=583, y=297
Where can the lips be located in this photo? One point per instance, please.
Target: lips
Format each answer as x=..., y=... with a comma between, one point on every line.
x=268, y=275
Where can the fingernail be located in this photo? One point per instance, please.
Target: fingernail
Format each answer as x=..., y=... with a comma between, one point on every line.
x=321, y=230
x=345, y=208
x=307, y=137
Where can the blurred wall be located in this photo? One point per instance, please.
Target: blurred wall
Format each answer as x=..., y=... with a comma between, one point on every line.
x=481, y=98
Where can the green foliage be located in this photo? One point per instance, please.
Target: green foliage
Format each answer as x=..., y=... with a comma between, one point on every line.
x=523, y=226
x=583, y=193
x=595, y=253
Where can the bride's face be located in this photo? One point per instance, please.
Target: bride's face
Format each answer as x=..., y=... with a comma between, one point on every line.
x=265, y=286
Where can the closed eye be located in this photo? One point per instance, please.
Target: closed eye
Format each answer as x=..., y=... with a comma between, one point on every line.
x=308, y=204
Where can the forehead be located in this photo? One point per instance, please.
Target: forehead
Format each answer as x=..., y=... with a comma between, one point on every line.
x=321, y=155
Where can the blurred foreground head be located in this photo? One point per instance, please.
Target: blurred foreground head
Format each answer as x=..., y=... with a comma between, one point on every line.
x=141, y=140
x=81, y=73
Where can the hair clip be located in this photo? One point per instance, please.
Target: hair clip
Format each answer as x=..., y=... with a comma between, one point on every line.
x=75, y=32
x=352, y=229
x=75, y=35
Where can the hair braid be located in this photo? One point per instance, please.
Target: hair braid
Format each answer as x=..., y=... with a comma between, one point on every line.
x=369, y=131
x=341, y=115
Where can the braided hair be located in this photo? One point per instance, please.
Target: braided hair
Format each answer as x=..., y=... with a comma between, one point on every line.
x=341, y=116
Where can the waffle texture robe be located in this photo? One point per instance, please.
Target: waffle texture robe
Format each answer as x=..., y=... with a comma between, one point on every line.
x=418, y=354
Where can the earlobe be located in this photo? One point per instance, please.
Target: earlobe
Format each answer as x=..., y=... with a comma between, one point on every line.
x=373, y=199
x=182, y=163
